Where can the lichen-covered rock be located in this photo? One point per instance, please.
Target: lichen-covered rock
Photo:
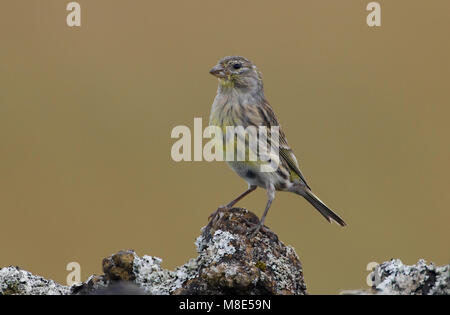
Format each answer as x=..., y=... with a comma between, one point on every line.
x=15, y=281
x=395, y=278
x=155, y=280
x=231, y=262
x=228, y=262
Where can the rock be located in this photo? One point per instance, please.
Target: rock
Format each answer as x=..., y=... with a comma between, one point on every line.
x=395, y=278
x=228, y=262
x=15, y=281
x=93, y=284
x=119, y=266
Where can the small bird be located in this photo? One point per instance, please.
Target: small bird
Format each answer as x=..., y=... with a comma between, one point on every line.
x=240, y=101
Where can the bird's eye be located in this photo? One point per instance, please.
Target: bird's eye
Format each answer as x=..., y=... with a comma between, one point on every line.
x=237, y=66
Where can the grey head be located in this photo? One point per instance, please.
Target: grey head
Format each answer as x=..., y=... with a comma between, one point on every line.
x=236, y=72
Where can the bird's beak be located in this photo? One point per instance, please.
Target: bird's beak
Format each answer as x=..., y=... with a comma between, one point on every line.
x=217, y=71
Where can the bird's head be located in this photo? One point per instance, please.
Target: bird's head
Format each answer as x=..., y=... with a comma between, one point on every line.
x=237, y=72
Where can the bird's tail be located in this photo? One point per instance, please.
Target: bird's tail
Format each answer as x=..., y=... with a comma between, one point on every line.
x=320, y=206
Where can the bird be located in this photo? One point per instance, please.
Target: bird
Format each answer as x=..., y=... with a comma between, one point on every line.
x=240, y=101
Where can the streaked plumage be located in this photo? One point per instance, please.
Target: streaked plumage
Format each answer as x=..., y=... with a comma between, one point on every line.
x=240, y=101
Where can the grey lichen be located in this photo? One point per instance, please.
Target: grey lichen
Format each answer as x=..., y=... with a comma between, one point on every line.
x=214, y=249
x=155, y=280
x=158, y=281
x=393, y=277
x=285, y=273
x=15, y=281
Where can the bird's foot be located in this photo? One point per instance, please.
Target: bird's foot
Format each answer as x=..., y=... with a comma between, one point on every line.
x=255, y=228
x=214, y=214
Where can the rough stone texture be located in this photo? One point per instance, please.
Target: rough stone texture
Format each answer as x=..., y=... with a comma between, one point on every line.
x=228, y=262
x=395, y=278
x=119, y=266
x=15, y=281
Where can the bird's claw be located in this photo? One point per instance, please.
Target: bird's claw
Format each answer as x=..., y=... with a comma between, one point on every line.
x=214, y=214
x=255, y=228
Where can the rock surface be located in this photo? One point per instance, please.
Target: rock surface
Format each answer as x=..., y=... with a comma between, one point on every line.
x=395, y=278
x=228, y=262
x=14, y=280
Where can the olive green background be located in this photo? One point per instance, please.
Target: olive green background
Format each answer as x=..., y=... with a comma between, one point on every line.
x=86, y=115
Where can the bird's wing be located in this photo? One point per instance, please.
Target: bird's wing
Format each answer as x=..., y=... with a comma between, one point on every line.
x=287, y=157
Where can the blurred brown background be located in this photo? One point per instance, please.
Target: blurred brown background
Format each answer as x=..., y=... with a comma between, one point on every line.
x=86, y=115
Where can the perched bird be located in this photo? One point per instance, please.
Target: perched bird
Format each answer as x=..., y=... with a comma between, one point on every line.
x=240, y=101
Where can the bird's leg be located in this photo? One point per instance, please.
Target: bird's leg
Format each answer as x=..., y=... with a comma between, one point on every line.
x=233, y=202
x=270, y=195
x=245, y=193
